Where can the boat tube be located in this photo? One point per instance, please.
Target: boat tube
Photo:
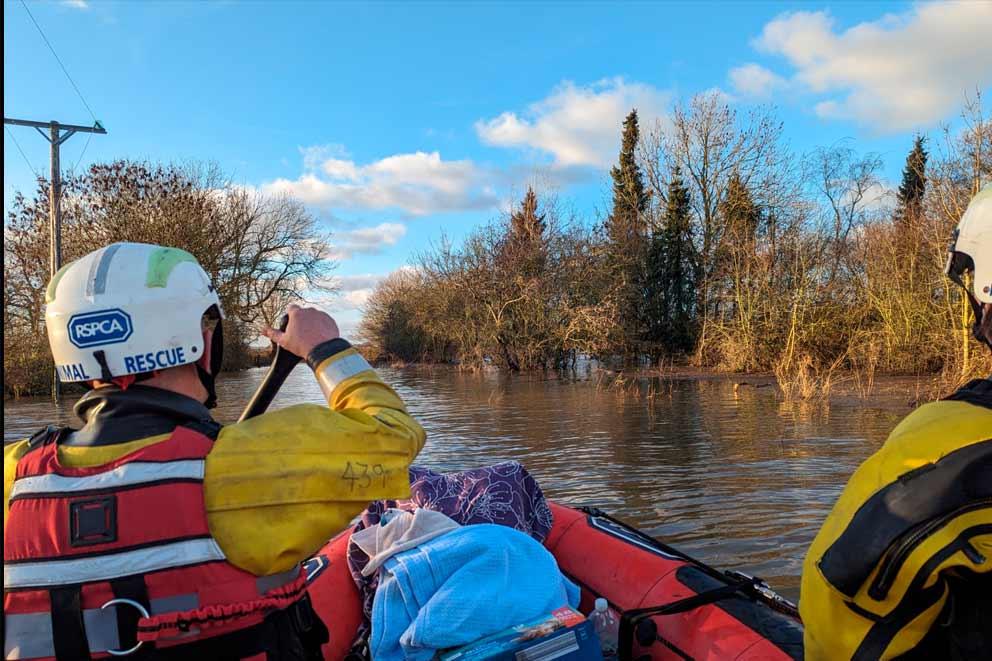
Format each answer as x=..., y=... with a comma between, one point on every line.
x=670, y=605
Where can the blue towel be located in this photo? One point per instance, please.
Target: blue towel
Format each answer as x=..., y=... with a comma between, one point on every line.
x=462, y=586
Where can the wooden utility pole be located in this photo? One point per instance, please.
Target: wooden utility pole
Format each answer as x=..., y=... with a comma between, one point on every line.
x=57, y=134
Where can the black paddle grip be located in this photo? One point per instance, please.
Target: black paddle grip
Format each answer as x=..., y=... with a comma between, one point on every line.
x=282, y=364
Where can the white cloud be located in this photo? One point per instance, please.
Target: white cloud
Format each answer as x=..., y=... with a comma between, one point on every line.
x=755, y=81
x=360, y=282
x=880, y=196
x=76, y=4
x=368, y=239
x=340, y=169
x=576, y=125
x=900, y=72
x=356, y=299
x=354, y=290
x=722, y=95
x=365, y=240
x=417, y=183
x=579, y=126
x=315, y=155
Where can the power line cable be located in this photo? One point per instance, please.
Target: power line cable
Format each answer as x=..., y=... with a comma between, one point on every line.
x=89, y=136
x=23, y=155
x=72, y=171
x=59, y=60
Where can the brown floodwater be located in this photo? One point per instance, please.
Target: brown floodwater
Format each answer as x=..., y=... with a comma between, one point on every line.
x=731, y=475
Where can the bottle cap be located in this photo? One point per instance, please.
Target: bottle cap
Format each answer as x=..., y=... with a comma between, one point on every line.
x=602, y=604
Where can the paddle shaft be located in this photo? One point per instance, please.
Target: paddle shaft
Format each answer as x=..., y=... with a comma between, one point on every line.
x=280, y=368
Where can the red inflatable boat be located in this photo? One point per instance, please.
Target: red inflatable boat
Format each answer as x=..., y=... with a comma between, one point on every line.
x=673, y=607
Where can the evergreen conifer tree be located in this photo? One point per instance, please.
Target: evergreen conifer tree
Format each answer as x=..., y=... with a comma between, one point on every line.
x=673, y=271
x=524, y=249
x=914, y=182
x=526, y=224
x=626, y=233
x=630, y=197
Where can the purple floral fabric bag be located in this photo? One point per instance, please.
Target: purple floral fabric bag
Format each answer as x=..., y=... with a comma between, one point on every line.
x=504, y=494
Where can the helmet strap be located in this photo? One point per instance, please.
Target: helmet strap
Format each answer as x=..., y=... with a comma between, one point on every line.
x=977, y=313
x=208, y=374
x=954, y=270
x=105, y=373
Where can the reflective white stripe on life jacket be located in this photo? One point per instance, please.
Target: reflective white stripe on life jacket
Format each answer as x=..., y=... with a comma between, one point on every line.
x=137, y=472
x=332, y=372
x=47, y=573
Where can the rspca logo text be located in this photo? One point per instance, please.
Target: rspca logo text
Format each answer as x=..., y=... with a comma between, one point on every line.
x=93, y=329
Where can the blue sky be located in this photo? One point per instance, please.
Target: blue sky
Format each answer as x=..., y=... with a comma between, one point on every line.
x=397, y=122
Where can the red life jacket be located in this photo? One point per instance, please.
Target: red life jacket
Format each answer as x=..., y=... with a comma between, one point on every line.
x=134, y=529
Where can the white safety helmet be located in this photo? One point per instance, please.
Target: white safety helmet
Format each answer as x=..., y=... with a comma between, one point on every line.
x=130, y=309
x=971, y=250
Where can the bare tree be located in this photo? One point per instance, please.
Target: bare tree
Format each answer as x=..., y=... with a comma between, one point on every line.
x=711, y=144
x=260, y=251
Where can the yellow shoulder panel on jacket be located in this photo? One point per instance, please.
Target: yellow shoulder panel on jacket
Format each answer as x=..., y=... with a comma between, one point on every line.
x=11, y=455
x=87, y=456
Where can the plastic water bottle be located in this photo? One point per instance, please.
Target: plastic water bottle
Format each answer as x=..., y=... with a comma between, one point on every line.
x=607, y=628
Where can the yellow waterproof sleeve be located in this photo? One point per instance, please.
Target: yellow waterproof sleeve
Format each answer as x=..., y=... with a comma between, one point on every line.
x=278, y=486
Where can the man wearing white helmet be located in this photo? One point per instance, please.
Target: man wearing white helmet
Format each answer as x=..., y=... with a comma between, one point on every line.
x=153, y=530
x=903, y=564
